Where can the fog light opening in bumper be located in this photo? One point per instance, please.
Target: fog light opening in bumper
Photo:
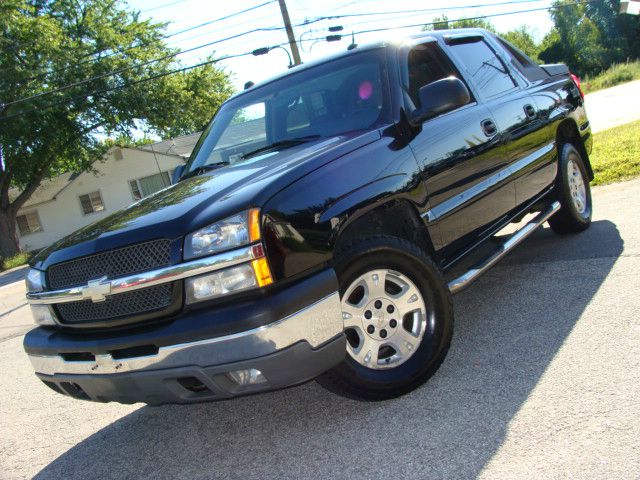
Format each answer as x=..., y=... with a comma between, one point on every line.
x=193, y=384
x=249, y=376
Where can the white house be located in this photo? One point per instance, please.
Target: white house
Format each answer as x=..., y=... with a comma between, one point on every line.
x=71, y=201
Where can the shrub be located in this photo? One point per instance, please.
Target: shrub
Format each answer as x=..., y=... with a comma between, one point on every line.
x=15, y=261
x=615, y=75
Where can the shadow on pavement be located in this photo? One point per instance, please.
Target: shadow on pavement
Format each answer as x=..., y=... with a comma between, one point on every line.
x=510, y=325
x=12, y=276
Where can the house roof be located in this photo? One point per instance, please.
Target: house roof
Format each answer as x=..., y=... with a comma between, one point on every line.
x=181, y=146
x=47, y=191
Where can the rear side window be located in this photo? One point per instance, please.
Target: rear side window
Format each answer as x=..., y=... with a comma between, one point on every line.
x=487, y=71
x=524, y=64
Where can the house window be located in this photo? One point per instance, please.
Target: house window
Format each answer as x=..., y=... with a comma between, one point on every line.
x=145, y=186
x=28, y=223
x=91, y=203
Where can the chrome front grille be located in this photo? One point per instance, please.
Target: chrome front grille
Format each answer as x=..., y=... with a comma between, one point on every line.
x=112, y=264
x=128, y=304
x=120, y=262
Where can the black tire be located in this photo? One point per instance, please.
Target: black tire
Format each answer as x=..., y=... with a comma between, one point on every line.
x=353, y=380
x=569, y=218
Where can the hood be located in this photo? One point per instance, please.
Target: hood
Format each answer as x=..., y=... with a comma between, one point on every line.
x=198, y=201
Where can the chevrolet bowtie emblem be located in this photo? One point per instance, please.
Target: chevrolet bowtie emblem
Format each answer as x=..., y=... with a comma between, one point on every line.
x=97, y=290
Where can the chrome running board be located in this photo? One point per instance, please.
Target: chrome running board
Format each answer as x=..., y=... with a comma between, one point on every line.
x=463, y=281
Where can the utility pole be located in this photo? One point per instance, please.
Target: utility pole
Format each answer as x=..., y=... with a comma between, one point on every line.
x=292, y=39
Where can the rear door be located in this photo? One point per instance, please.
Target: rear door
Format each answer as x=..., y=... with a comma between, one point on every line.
x=504, y=91
x=463, y=164
x=535, y=152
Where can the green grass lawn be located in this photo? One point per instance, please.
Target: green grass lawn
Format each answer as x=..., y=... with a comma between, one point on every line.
x=15, y=261
x=616, y=154
x=615, y=75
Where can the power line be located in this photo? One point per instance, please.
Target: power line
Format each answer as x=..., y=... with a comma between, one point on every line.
x=422, y=24
x=170, y=4
x=132, y=47
x=477, y=17
x=127, y=85
x=210, y=22
x=131, y=67
x=172, y=55
x=419, y=10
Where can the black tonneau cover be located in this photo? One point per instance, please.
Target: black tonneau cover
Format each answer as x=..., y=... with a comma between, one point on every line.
x=554, y=69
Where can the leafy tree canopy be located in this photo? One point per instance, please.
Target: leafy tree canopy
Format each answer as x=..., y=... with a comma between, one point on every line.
x=588, y=37
x=49, y=44
x=522, y=37
x=443, y=23
x=591, y=37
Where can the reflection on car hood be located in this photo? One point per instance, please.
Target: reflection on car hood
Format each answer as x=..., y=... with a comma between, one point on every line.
x=197, y=201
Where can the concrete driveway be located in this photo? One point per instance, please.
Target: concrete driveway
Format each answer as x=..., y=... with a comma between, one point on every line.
x=613, y=106
x=542, y=380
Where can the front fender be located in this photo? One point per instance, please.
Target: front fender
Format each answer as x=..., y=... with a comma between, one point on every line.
x=301, y=223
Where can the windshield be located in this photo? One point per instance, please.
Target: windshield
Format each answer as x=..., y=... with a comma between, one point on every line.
x=332, y=98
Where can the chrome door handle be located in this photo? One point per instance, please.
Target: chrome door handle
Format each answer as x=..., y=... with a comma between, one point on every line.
x=488, y=127
x=529, y=111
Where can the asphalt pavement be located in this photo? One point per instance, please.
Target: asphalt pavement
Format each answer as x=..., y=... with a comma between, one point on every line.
x=613, y=106
x=542, y=381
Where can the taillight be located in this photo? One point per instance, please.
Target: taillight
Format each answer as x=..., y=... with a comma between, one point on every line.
x=576, y=80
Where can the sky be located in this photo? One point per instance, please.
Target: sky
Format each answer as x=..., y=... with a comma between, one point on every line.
x=183, y=14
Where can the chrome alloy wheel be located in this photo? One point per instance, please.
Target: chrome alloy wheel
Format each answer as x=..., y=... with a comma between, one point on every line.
x=384, y=318
x=576, y=187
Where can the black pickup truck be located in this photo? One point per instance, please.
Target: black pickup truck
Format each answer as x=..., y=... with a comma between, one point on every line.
x=317, y=227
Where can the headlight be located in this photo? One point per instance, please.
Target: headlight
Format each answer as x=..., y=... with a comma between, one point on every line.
x=235, y=231
x=34, y=280
x=216, y=284
x=42, y=314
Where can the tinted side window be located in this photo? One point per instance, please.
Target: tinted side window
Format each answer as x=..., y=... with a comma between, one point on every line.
x=527, y=67
x=427, y=64
x=486, y=70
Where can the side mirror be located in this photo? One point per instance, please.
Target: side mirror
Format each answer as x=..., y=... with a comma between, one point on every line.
x=177, y=173
x=439, y=97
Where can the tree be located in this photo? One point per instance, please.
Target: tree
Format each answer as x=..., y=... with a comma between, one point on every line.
x=443, y=23
x=48, y=44
x=619, y=33
x=590, y=37
x=522, y=38
x=576, y=41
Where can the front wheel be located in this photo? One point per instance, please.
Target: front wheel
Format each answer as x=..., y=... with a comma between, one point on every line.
x=574, y=193
x=398, y=319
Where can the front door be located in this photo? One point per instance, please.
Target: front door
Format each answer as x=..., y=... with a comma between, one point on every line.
x=463, y=163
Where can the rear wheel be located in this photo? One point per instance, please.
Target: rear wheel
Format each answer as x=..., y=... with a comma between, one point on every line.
x=397, y=316
x=574, y=193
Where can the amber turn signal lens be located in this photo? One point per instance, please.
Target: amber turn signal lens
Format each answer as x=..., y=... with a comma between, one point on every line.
x=263, y=274
x=254, y=225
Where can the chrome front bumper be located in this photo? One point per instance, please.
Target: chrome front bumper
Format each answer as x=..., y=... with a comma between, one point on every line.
x=316, y=325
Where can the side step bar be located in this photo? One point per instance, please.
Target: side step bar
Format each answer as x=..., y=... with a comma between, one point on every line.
x=463, y=281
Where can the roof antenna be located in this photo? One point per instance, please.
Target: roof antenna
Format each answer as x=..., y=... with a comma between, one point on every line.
x=353, y=42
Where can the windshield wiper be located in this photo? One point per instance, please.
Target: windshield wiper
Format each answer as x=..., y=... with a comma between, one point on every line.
x=205, y=168
x=288, y=142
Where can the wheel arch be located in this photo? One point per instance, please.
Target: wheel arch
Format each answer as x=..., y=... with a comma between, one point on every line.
x=396, y=217
x=567, y=132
